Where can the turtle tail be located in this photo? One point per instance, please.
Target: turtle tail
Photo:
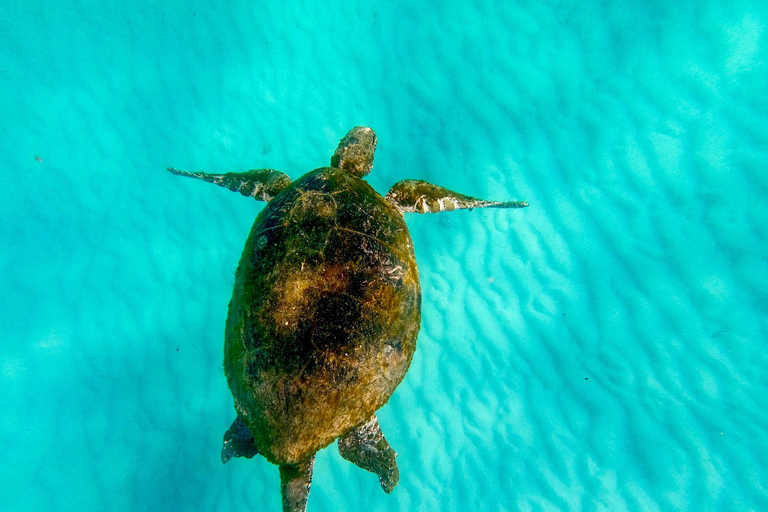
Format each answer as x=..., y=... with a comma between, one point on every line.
x=295, y=481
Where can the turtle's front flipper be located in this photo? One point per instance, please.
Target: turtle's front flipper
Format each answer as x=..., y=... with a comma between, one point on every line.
x=366, y=447
x=295, y=480
x=416, y=196
x=262, y=184
x=238, y=442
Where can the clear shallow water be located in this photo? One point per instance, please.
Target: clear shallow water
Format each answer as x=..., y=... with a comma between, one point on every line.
x=603, y=349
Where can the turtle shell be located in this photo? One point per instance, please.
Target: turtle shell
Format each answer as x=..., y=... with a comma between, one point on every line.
x=324, y=316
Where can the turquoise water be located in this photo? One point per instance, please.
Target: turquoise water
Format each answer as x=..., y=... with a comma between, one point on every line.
x=604, y=349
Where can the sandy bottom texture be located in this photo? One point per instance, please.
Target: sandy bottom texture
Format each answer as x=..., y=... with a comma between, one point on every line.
x=602, y=350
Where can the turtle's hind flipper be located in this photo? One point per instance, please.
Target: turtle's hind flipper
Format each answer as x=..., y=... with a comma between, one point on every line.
x=238, y=442
x=262, y=184
x=366, y=447
x=295, y=481
x=416, y=196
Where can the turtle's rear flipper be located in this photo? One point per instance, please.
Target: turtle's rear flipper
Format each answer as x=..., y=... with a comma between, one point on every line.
x=295, y=480
x=262, y=184
x=417, y=196
x=238, y=442
x=366, y=447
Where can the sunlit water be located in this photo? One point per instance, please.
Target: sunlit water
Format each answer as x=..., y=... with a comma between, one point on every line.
x=604, y=349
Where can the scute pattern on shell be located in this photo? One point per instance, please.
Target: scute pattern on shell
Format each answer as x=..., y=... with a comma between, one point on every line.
x=323, y=322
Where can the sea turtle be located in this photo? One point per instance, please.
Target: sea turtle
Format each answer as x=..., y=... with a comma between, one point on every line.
x=325, y=311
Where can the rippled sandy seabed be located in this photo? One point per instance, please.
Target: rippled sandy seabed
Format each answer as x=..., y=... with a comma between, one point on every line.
x=604, y=349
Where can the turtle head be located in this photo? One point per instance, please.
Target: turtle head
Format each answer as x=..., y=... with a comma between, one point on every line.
x=355, y=151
